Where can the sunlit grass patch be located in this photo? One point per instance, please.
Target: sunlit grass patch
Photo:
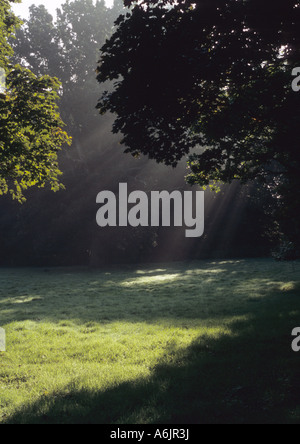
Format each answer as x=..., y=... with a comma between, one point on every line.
x=290, y=286
x=156, y=280
x=199, y=342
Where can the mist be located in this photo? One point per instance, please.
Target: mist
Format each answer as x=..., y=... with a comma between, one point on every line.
x=60, y=229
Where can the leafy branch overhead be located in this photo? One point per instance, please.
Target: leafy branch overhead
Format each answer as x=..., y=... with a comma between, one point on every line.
x=210, y=75
x=31, y=131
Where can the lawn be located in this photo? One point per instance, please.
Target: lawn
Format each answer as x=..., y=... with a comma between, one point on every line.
x=201, y=342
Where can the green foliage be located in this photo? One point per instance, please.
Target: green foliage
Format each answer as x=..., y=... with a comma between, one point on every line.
x=30, y=125
x=30, y=133
x=8, y=23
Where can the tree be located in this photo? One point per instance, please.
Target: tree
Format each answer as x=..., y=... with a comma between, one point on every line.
x=213, y=76
x=8, y=22
x=31, y=131
x=68, y=49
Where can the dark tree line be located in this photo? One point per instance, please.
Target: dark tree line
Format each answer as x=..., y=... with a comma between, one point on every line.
x=60, y=229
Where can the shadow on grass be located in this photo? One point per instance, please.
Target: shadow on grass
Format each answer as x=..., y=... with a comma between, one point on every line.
x=199, y=291
x=250, y=377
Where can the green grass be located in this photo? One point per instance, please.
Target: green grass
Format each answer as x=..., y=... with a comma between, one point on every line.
x=205, y=342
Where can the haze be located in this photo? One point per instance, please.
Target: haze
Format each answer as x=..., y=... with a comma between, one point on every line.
x=22, y=9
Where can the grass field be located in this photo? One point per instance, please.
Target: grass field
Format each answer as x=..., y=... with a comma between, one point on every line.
x=205, y=342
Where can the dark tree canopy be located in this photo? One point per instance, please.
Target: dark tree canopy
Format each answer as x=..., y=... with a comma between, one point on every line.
x=211, y=79
x=214, y=74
